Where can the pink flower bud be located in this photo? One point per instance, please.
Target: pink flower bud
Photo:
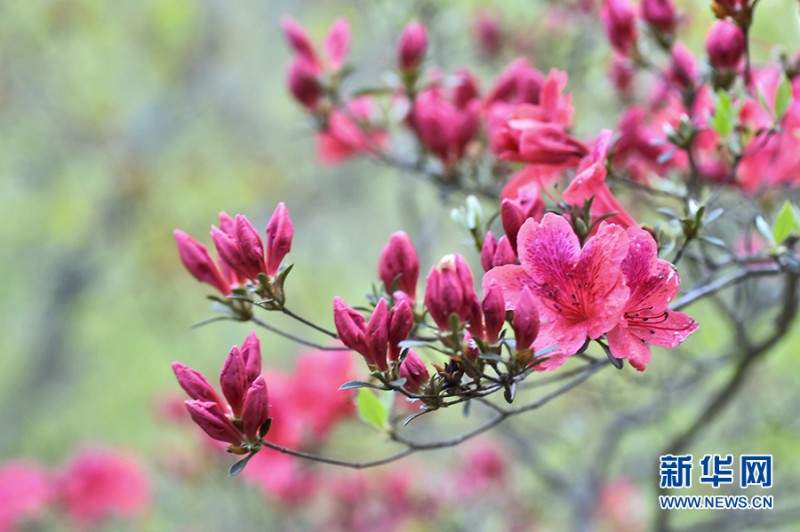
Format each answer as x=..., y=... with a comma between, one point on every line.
x=725, y=45
x=250, y=246
x=195, y=384
x=255, y=411
x=337, y=43
x=619, y=21
x=475, y=319
x=251, y=353
x=210, y=417
x=401, y=321
x=449, y=290
x=683, y=69
x=412, y=46
x=622, y=73
x=513, y=217
x=517, y=83
x=303, y=82
x=465, y=88
x=488, y=251
x=526, y=320
x=228, y=250
x=233, y=380
x=378, y=335
x=350, y=326
x=199, y=263
x=471, y=350
x=280, y=232
x=505, y=253
x=487, y=32
x=414, y=371
x=398, y=261
x=660, y=14
x=494, y=311
x=298, y=39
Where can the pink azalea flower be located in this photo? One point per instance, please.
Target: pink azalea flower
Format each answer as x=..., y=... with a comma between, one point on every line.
x=349, y=133
x=646, y=319
x=24, y=491
x=581, y=292
x=590, y=182
x=99, y=484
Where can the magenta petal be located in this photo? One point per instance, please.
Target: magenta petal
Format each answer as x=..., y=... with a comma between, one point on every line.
x=623, y=344
x=512, y=279
x=548, y=250
x=668, y=330
x=598, y=270
x=337, y=43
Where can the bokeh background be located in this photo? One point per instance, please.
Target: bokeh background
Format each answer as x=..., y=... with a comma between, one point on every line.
x=124, y=120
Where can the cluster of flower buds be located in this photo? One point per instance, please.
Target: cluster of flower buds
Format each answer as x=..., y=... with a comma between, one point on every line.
x=242, y=255
x=378, y=340
x=244, y=420
x=450, y=294
x=307, y=69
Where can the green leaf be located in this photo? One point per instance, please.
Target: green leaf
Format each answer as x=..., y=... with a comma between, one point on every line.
x=786, y=223
x=763, y=100
x=724, y=115
x=764, y=230
x=352, y=385
x=239, y=466
x=371, y=409
x=783, y=98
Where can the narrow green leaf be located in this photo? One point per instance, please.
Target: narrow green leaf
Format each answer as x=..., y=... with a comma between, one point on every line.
x=783, y=98
x=352, y=385
x=784, y=223
x=764, y=230
x=724, y=115
x=763, y=100
x=239, y=466
x=371, y=409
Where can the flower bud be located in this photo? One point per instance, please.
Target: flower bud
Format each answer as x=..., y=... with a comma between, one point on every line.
x=494, y=311
x=660, y=14
x=725, y=45
x=414, y=371
x=487, y=33
x=449, y=290
x=619, y=21
x=251, y=353
x=233, y=380
x=350, y=326
x=210, y=417
x=471, y=350
x=229, y=252
x=337, y=43
x=401, y=321
x=250, y=246
x=298, y=39
x=199, y=263
x=526, y=320
x=303, y=82
x=195, y=384
x=255, y=411
x=412, y=46
x=487, y=251
x=280, y=232
x=398, y=261
x=505, y=253
x=378, y=335
x=683, y=69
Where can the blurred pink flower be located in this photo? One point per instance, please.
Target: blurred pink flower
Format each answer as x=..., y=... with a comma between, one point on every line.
x=349, y=132
x=25, y=490
x=99, y=484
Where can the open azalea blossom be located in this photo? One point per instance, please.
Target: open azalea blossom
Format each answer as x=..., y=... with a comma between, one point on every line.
x=653, y=283
x=581, y=292
x=614, y=285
